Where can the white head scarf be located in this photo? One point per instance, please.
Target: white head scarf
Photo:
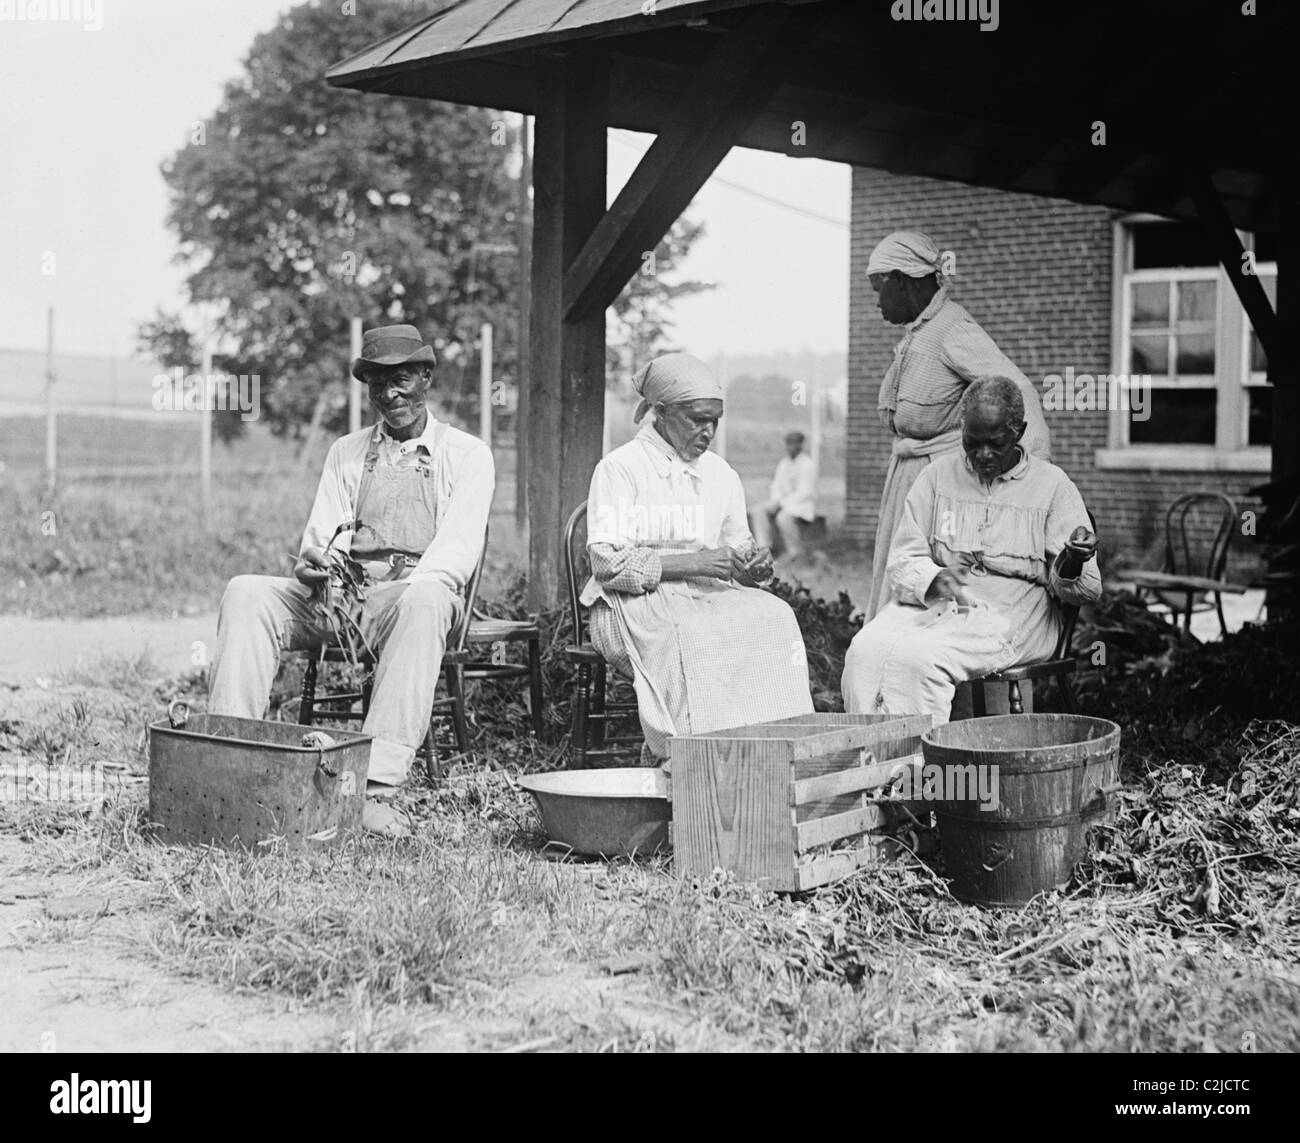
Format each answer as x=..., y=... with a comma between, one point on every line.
x=912, y=253
x=671, y=379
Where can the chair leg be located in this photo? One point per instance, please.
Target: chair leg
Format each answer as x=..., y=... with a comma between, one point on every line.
x=599, y=716
x=307, y=707
x=1218, y=606
x=977, y=704
x=456, y=692
x=535, y=699
x=429, y=748
x=1017, y=704
x=581, y=692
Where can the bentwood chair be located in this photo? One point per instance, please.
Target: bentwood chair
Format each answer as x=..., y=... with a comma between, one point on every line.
x=1199, y=527
x=1061, y=666
x=341, y=706
x=595, y=712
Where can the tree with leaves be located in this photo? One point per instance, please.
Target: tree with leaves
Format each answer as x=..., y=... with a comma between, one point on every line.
x=641, y=321
x=298, y=206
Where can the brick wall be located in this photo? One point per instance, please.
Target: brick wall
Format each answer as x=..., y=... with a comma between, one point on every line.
x=1036, y=274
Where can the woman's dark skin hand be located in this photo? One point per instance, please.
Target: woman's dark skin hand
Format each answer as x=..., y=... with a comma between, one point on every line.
x=950, y=583
x=752, y=569
x=1079, y=549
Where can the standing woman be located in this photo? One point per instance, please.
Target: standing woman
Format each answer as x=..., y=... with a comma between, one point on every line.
x=942, y=351
x=673, y=595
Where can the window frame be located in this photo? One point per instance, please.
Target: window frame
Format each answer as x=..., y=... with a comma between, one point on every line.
x=1249, y=378
x=1232, y=376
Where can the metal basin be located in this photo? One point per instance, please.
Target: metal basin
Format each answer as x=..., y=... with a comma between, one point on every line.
x=607, y=813
x=219, y=780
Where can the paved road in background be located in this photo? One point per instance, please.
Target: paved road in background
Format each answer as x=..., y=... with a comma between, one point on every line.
x=41, y=648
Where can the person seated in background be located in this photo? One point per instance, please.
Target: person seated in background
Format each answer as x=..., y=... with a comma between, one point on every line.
x=673, y=597
x=987, y=538
x=790, y=500
x=408, y=499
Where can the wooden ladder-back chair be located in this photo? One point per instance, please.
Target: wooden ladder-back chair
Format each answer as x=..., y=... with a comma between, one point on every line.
x=1199, y=527
x=594, y=711
x=339, y=705
x=488, y=631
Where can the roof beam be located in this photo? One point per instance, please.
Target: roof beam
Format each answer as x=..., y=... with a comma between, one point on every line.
x=1221, y=232
x=727, y=92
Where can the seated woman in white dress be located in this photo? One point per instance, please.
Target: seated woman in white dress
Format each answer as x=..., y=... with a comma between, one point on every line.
x=987, y=537
x=673, y=595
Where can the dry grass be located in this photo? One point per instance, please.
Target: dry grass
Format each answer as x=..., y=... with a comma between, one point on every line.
x=468, y=925
x=1180, y=933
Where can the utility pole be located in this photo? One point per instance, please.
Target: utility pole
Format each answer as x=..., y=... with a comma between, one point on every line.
x=524, y=239
x=354, y=386
x=205, y=430
x=51, y=428
x=814, y=411
x=485, y=384
x=720, y=438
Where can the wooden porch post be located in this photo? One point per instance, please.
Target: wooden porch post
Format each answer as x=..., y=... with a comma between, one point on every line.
x=1284, y=373
x=566, y=402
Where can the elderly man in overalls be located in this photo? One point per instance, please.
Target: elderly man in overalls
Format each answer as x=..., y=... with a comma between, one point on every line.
x=409, y=498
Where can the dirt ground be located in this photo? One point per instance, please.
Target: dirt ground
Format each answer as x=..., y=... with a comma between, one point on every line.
x=76, y=972
x=76, y=975
x=32, y=649
x=77, y=984
x=78, y=969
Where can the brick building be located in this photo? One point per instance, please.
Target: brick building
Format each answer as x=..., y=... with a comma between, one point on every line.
x=1062, y=286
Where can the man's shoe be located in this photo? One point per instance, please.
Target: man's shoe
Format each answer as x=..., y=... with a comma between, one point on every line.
x=384, y=819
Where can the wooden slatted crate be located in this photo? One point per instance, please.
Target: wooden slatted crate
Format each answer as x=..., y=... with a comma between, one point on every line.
x=767, y=801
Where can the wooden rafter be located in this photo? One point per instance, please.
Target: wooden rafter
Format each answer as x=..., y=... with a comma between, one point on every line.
x=1221, y=232
x=728, y=91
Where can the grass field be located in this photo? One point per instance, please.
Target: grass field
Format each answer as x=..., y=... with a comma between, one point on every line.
x=1180, y=933
x=164, y=441
x=139, y=545
x=469, y=935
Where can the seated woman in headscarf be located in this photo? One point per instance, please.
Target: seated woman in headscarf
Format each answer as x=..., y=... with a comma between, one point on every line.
x=988, y=536
x=943, y=350
x=673, y=595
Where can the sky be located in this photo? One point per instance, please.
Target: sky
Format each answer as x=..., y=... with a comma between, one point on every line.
x=88, y=114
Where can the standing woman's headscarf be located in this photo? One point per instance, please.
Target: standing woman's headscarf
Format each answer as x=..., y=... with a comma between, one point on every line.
x=671, y=379
x=914, y=254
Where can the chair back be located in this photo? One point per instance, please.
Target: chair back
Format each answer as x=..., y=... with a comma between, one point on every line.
x=1198, y=532
x=577, y=565
x=458, y=634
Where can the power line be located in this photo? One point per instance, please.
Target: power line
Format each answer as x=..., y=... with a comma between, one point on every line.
x=794, y=208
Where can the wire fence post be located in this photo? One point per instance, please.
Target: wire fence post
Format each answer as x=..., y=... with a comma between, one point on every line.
x=205, y=429
x=51, y=424
x=485, y=384
x=354, y=386
x=720, y=437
